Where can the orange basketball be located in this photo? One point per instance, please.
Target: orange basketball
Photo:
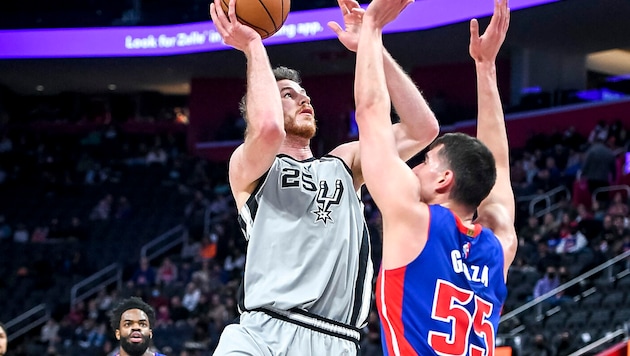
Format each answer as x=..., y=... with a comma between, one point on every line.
x=264, y=16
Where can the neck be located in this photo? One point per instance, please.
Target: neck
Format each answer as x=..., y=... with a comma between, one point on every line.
x=463, y=213
x=296, y=147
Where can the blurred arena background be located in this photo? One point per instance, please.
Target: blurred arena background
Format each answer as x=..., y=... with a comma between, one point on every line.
x=113, y=172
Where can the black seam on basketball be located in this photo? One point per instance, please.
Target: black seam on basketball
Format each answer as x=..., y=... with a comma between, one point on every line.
x=227, y=5
x=241, y=20
x=268, y=14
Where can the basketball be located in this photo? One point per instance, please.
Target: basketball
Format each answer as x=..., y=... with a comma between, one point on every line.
x=264, y=16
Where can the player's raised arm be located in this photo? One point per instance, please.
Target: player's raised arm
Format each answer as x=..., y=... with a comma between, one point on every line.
x=386, y=175
x=418, y=126
x=264, y=117
x=498, y=209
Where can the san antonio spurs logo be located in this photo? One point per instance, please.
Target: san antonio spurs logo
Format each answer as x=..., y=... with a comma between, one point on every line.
x=324, y=201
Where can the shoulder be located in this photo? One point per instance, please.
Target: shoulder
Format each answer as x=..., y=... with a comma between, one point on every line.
x=349, y=154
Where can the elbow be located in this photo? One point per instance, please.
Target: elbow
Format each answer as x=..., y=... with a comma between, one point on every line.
x=432, y=128
x=269, y=131
x=364, y=111
x=371, y=105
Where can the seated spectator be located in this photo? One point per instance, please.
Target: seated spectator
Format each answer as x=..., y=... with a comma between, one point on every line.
x=598, y=210
x=163, y=316
x=563, y=343
x=191, y=296
x=618, y=205
x=571, y=241
x=620, y=228
x=77, y=313
x=105, y=302
x=157, y=298
x=184, y=273
x=208, y=248
x=234, y=263
x=218, y=311
x=540, y=346
x=103, y=209
x=528, y=231
x=550, y=226
x=40, y=234
x=178, y=312
x=144, y=275
x=622, y=246
x=21, y=234
x=49, y=334
x=166, y=273
x=156, y=157
x=546, y=283
x=123, y=208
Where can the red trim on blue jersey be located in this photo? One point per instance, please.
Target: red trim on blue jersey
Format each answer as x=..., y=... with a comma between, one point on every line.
x=390, y=310
x=465, y=230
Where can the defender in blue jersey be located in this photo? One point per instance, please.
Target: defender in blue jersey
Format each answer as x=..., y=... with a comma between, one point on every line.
x=441, y=285
x=307, y=282
x=132, y=320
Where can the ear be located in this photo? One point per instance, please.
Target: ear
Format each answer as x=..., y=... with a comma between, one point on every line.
x=445, y=181
x=118, y=334
x=150, y=333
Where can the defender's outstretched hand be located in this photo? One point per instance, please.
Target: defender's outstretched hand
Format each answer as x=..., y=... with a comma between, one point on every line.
x=234, y=33
x=352, y=20
x=486, y=47
x=383, y=12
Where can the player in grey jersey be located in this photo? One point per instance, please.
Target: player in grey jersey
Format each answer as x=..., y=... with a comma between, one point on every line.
x=308, y=275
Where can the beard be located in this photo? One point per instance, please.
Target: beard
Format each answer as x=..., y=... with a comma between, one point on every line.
x=302, y=129
x=135, y=349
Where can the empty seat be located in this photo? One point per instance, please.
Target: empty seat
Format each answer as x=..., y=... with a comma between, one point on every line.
x=556, y=322
x=592, y=301
x=621, y=316
x=613, y=300
x=577, y=319
x=599, y=319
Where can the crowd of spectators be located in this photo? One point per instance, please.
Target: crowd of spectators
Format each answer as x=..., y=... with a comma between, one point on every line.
x=193, y=288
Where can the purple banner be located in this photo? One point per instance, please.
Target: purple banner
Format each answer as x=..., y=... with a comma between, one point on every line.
x=300, y=26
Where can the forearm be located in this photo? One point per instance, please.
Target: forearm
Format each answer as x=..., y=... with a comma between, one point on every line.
x=491, y=128
x=415, y=114
x=370, y=83
x=264, y=108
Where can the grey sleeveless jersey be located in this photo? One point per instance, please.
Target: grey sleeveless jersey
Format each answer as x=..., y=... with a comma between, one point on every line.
x=308, y=242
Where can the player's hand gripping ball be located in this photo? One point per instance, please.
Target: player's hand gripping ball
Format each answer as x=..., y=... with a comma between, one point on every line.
x=264, y=16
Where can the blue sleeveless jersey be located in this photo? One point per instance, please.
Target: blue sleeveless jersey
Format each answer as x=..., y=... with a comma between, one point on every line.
x=448, y=300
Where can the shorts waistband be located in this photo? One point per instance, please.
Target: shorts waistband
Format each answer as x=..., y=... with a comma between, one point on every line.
x=315, y=322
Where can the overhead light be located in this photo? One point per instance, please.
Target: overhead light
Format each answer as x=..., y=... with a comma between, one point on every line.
x=612, y=62
x=111, y=87
x=39, y=88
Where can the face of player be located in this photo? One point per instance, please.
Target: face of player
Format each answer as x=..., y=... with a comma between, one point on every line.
x=3, y=341
x=430, y=175
x=299, y=116
x=134, y=332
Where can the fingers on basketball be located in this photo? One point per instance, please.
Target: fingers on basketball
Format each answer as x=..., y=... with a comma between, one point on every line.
x=264, y=16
